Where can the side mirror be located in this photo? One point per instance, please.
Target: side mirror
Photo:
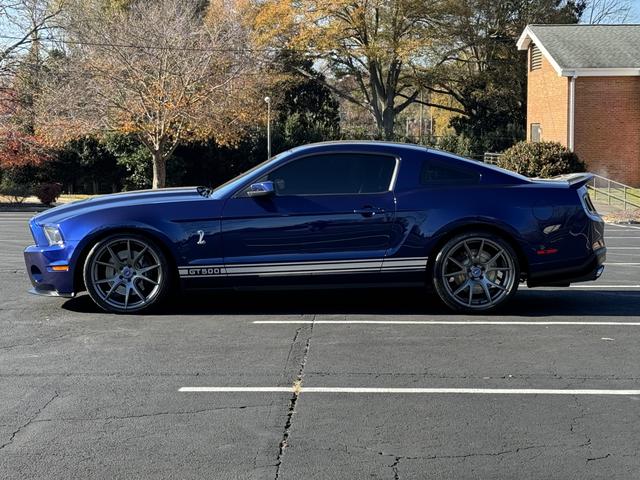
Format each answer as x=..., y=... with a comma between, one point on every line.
x=261, y=189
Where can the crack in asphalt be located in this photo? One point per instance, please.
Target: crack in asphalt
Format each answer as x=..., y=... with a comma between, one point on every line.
x=598, y=458
x=293, y=343
x=29, y=421
x=144, y=415
x=397, y=458
x=17, y=345
x=487, y=454
x=294, y=398
x=394, y=467
x=575, y=420
x=39, y=341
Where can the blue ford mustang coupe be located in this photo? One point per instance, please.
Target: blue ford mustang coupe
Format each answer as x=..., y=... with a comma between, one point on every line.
x=327, y=215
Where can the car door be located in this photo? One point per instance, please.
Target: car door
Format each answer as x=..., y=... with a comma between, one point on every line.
x=329, y=214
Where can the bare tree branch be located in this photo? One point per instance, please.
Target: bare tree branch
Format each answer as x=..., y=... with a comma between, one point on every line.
x=158, y=70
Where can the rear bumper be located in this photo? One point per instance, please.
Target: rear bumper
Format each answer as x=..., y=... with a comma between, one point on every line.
x=588, y=271
x=40, y=262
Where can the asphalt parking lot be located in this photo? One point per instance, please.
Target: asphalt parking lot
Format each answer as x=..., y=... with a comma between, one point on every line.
x=356, y=384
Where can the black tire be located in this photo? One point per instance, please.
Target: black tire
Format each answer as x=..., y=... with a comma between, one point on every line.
x=137, y=279
x=476, y=272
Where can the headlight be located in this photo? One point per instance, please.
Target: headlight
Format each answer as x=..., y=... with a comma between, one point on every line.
x=53, y=235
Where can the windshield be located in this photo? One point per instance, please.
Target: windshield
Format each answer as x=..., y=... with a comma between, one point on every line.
x=230, y=186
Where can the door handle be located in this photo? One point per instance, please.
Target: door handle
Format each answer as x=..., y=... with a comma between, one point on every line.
x=368, y=211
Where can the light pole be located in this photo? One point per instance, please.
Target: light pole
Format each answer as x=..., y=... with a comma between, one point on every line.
x=268, y=101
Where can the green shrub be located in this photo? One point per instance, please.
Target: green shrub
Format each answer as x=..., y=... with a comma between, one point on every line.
x=540, y=159
x=15, y=186
x=457, y=144
x=48, y=193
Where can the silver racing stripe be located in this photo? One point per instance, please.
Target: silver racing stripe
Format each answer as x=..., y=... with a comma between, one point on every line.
x=329, y=267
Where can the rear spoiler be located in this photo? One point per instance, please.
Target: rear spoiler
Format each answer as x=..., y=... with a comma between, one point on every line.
x=575, y=180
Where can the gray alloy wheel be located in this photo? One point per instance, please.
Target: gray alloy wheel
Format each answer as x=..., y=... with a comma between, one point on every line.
x=476, y=272
x=126, y=273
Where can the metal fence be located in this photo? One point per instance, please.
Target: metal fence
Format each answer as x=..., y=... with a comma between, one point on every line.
x=491, y=158
x=614, y=193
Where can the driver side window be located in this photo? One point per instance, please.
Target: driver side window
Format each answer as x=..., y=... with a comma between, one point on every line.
x=334, y=174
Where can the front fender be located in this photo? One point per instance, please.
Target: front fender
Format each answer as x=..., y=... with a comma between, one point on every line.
x=137, y=227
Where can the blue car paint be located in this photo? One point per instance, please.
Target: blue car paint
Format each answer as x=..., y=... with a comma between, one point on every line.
x=226, y=239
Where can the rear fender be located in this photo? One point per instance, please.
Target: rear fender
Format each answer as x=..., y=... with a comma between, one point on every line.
x=492, y=225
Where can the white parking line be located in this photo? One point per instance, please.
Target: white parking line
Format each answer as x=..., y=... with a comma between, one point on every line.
x=441, y=322
x=238, y=389
x=431, y=391
x=622, y=263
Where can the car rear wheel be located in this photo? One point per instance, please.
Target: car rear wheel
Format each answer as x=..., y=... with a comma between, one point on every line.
x=476, y=272
x=126, y=273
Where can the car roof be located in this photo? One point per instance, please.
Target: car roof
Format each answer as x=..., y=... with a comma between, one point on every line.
x=338, y=144
x=397, y=147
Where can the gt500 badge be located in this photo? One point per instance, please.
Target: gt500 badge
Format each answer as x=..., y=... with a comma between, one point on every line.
x=205, y=271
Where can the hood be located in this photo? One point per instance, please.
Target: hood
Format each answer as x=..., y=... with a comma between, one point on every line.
x=125, y=199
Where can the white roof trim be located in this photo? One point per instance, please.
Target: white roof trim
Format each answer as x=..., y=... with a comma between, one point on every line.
x=600, y=72
x=528, y=37
x=525, y=40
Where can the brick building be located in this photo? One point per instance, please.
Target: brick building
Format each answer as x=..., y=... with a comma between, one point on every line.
x=583, y=91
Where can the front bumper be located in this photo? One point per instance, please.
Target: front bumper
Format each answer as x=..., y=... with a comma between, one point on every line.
x=40, y=262
x=50, y=293
x=588, y=271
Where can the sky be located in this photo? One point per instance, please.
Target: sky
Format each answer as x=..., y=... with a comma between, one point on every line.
x=7, y=29
x=636, y=10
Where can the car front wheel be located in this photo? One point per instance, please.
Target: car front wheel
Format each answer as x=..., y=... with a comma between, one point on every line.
x=476, y=272
x=126, y=273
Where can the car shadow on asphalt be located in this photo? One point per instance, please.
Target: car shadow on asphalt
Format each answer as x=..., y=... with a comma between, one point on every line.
x=390, y=302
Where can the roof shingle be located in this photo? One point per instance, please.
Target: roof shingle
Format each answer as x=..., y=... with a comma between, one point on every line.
x=591, y=46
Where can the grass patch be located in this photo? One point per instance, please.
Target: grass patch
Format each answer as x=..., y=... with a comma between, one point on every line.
x=601, y=195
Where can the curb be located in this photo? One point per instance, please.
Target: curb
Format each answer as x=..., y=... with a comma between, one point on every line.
x=26, y=208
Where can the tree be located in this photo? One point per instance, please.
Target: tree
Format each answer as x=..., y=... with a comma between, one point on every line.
x=481, y=69
x=375, y=44
x=18, y=149
x=306, y=108
x=157, y=70
x=607, y=11
x=22, y=23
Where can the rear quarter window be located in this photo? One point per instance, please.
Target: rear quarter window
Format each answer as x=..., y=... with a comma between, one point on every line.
x=440, y=174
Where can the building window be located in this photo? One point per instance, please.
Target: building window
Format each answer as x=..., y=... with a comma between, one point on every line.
x=535, y=58
x=535, y=132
